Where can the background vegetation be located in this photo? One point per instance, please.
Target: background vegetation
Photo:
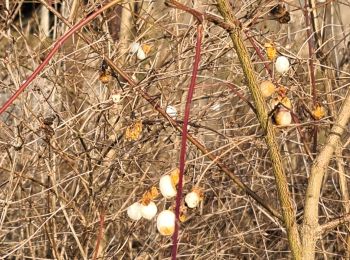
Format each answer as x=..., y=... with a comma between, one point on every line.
x=68, y=171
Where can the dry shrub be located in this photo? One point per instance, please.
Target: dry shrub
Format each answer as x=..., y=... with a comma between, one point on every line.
x=65, y=160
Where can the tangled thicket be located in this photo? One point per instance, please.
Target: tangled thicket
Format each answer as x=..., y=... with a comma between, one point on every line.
x=68, y=171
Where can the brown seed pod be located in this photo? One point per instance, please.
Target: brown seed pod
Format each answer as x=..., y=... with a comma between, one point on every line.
x=319, y=112
x=279, y=12
x=134, y=131
x=271, y=51
x=105, y=77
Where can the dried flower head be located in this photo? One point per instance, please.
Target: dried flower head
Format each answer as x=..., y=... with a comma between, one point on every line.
x=105, y=77
x=271, y=51
x=279, y=100
x=149, y=195
x=146, y=48
x=175, y=176
x=319, y=112
x=133, y=131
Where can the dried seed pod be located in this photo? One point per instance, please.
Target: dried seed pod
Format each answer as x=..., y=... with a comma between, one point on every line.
x=271, y=51
x=134, y=211
x=319, y=112
x=166, y=223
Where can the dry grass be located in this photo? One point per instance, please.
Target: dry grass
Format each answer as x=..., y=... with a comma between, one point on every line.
x=58, y=179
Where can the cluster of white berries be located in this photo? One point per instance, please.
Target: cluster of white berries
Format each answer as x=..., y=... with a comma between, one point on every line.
x=279, y=102
x=147, y=209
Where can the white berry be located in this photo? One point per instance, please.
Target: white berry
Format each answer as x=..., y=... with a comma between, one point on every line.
x=166, y=186
x=116, y=98
x=134, y=211
x=141, y=55
x=166, y=223
x=283, y=117
x=282, y=64
x=134, y=47
x=192, y=199
x=171, y=111
x=149, y=211
x=267, y=88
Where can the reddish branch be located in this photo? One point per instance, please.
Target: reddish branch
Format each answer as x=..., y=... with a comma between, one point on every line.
x=191, y=87
x=258, y=52
x=184, y=136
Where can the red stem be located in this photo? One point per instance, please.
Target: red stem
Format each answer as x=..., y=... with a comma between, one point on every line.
x=184, y=138
x=55, y=48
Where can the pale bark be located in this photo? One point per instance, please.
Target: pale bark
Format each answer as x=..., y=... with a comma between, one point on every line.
x=318, y=169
